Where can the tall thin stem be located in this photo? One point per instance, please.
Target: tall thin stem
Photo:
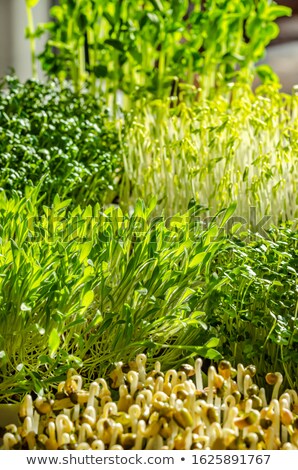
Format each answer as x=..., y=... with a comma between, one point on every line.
x=32, y=41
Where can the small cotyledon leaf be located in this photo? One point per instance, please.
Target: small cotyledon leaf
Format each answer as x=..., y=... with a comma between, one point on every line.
x=32, y=3
x=212, y=343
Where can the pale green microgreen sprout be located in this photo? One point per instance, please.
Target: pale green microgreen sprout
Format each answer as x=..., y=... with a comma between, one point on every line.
x=90, y=288
x=240, y=148
x=30, y=4
x=158, y=48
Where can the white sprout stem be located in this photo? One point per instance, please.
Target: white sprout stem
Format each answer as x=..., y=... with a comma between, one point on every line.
x=215, y=432
x=174, y=431
x=197, y=417
x=262, y=396
x=174, y=402
x=228, y=403
x=181, y=377
x=190, y=404
x=285, y=404
x=98, y=445
x=277, y=386
x=79, y=380
x=133, y=378
x=253, y=439
x=270, y=438
x=154, y=443
x=275, y=408
x=35, y=422
x=248, y=405
x=285, y=400
x=246, y=384
x=67, y=412
x=293, y=396
x=134, y=415
x=93, y=392
x=27, y=425
x=284, y=434
x=63, y=424
x=170, y=381
x=116, y=431
x=229, y=423
x=198, y=370
x=217, y=404
x=9, y=440
x=65, y=439
x=109, y=408
x=141, y=363
x=52, y=435
x=104, y=388
x=90, y=415
x=140, y=435
x=75, y=413
x=211, y=377
x=29, y=406
x=85, y=432
x=83, y=446
x=159, y=384
x=188, y=438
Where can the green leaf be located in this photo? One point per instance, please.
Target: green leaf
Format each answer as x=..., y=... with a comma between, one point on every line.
x=59, y=205
x=85, y=250
x=266, y=74
x=197, y=259
x=228, y=213
x=253, y=24
x=88, y=299
x=57, y=12
x=272, y=31
x=236, y=227
x=139, y=209
x=276, y=11
x=54, y=341
x=32, y=3
x=151, y=206
x=213, y=354
x=212, y=343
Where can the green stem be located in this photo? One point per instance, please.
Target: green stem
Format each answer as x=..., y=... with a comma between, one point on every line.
x=81, y=74
x=161, y=71
x=295, y=320
x=91, y=44
x=291, y=383
x=32, y=41
x=116, y=83
x=74, y=66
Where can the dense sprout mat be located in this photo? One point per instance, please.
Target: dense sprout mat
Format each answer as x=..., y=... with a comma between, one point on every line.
x=173, y=410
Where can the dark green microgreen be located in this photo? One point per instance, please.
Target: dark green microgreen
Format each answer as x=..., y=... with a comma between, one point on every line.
x=48, y=131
